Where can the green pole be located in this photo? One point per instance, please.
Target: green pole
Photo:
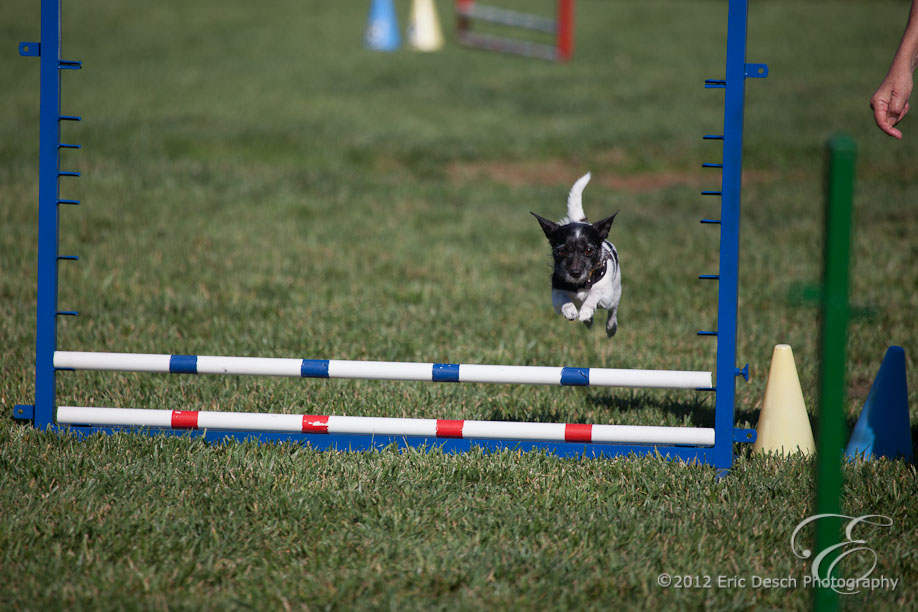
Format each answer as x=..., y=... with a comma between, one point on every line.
x=842, y=154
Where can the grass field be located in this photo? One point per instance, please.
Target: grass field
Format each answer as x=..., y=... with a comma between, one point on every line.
x=256, y=183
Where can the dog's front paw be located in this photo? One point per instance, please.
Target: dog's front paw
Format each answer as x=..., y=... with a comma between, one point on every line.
x=586, y=314
x=569, y=311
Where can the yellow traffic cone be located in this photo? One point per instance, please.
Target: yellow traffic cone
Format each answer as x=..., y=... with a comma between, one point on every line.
x=784, y=426
x=424, y=26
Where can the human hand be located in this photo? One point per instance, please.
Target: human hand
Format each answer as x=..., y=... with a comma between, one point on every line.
x=890, y=101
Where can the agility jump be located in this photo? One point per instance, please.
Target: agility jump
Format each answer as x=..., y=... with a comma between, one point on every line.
x=701, y=445
x=561, y=29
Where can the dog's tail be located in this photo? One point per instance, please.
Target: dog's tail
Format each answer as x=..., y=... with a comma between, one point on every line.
x=575, y=201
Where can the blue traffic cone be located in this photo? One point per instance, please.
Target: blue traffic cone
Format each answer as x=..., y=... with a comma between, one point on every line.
x=883, y=429
x=382, y=27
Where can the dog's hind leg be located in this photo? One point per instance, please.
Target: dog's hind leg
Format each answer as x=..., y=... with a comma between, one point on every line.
x=588, y=323
x=612, y=323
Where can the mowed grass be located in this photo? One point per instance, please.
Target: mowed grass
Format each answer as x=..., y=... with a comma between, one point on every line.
x=256, y=183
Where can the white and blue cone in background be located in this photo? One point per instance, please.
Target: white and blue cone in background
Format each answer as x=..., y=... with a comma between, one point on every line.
x=382, y=27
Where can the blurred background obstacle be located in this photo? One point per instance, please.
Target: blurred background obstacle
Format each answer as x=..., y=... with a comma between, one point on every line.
x=561, y=28
x=382, y=33
x=423, y=32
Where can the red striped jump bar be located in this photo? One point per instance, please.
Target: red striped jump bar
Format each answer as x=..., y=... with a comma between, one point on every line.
x=431, y=428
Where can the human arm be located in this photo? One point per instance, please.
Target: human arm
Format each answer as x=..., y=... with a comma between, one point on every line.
x=890, y=101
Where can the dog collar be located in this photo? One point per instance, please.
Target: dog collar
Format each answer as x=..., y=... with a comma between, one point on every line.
x=601, y=271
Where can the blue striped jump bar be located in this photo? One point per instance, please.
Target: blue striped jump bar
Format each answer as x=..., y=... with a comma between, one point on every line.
x=381, y=370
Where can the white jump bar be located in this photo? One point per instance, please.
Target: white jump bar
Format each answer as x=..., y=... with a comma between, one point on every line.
x=382, y=370
x=439, y=428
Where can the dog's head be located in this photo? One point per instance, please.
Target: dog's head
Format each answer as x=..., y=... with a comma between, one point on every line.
x=576, y=248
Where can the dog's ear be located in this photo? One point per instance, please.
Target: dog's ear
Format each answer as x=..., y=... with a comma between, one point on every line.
x=548, y=227
x=605, y=225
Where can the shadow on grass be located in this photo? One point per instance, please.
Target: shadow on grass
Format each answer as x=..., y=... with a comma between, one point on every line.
x=748, y=415
x=698, y=409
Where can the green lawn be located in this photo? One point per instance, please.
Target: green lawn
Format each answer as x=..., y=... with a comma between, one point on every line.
x=256, y=183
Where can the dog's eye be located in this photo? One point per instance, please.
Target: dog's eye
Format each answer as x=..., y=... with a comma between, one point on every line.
x=588, y=252
x=564, y=252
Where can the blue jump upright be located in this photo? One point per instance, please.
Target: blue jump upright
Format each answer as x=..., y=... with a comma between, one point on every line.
x=707, y=446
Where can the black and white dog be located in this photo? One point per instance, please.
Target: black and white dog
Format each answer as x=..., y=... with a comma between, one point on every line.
x=586, y=272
